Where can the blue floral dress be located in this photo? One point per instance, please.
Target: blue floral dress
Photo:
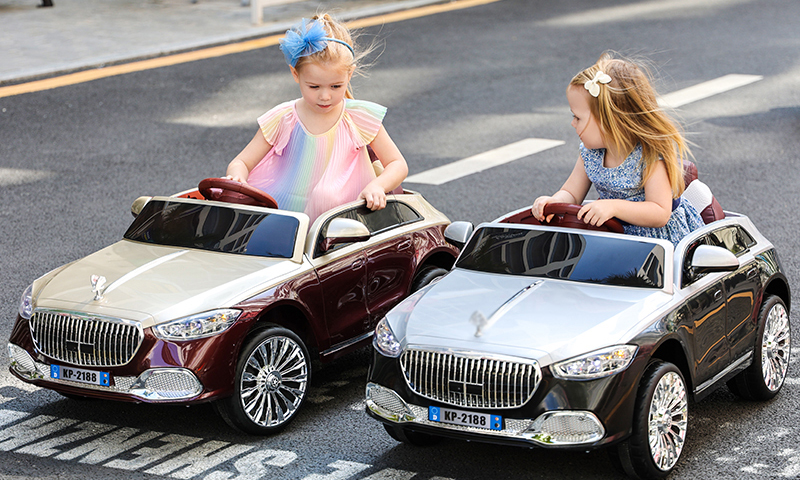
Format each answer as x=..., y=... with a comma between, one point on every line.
x=624, y=182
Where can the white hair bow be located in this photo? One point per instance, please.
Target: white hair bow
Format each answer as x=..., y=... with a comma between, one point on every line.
x=593, y=87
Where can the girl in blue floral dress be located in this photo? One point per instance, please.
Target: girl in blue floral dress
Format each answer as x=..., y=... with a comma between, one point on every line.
x=631, y=151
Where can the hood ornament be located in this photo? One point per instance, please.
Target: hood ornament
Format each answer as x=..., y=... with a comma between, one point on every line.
x=98, y=285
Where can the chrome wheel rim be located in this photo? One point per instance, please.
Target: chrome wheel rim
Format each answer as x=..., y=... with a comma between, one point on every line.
x=775, y=347
x=274, y=381
x=667, y=421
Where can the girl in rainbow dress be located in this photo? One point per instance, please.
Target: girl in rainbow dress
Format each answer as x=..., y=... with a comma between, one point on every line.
x=310, y=154
x=631, y=152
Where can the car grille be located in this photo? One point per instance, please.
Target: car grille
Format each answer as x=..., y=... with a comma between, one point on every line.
x=85, y=340
x=470, y=381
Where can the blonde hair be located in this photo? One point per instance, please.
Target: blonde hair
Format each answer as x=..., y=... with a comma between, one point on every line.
x=628, y=113
x=336, y=54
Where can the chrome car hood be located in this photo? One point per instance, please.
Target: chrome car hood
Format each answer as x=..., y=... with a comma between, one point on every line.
x=152, y=284
x=543, y=319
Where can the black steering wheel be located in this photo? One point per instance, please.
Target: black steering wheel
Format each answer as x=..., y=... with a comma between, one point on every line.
x=235, y=192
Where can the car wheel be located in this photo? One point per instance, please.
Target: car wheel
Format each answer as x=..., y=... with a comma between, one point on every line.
x=272, y=375
x=410, y=437
x=425, y=276
x=764, y=378
x=660, y=420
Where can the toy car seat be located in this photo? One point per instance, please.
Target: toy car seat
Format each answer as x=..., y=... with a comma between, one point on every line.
x=699, y=195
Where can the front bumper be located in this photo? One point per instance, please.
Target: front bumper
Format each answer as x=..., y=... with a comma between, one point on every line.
x=193, y=371
x=152, y=385
x=560, y=413
x=553, y=428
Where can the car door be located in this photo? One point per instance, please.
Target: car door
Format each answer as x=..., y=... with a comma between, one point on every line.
x=740, y=288
x=390, y=258
x=342, y=273
x=707, y=319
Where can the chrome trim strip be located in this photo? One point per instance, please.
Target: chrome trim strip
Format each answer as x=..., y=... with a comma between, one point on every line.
x=347, y=343
x=733, y=366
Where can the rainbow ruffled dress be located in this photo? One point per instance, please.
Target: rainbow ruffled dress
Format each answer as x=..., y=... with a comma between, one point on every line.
x=314, y=173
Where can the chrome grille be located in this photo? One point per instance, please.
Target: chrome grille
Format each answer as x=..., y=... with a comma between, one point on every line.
x=467, y=380
x=85, y=340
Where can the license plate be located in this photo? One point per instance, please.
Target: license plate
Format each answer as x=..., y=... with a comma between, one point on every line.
x=467, y=419
x=79, y=375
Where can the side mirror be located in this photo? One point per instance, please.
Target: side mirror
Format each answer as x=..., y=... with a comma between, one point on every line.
x=707, y=258
x=344, y=230
x=458, y=233
x=138, y=205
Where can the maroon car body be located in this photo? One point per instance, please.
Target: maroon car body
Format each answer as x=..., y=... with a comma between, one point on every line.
x=235, y=314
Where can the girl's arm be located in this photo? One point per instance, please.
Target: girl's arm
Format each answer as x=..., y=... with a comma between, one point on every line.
x=394, y=172
x=240, y=167
x=573, y=191
x=654, y=211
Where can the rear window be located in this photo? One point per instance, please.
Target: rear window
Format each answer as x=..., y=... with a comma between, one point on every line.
x=215, y=228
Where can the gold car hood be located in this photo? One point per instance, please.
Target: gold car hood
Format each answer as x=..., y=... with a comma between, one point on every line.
x=153, y=284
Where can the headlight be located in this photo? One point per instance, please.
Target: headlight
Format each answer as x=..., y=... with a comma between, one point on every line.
x=197, y=326
x=26, y=303
x=385, y=341
x=597, y=364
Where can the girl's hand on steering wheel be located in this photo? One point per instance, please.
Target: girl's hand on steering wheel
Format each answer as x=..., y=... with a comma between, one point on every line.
x=538, y=208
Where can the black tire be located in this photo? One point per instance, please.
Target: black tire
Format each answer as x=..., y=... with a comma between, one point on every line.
x=411, y=437
x=270, y=385
x=764, y=378
x=425, y=276
x=663, y=402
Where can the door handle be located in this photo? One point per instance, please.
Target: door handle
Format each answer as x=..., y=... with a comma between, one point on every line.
x=404, y=245
x=752, y=273
x=718, y=295
x=357, y=264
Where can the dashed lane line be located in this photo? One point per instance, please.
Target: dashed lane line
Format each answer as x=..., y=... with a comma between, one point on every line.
x=706, y=89
x=483, y=161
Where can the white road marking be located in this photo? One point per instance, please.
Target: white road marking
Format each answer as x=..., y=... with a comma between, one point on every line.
x=391, y=474
x=483, y=161
x=342, y=470
x=706, y=89
x=147, y=455
x=21, y=176
x=530, y=146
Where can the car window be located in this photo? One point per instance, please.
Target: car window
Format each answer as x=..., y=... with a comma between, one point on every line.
x=215, y=228
x=733, y=238
x=567, y=256
x=394, y=215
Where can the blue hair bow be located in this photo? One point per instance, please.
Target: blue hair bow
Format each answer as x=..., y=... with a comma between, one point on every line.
x=306, y=39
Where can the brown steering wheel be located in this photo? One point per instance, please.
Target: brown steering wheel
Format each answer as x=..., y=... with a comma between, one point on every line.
x=566, y=215
x=235, y=192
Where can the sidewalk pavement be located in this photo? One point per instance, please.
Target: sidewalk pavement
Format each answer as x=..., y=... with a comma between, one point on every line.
x=79, y=34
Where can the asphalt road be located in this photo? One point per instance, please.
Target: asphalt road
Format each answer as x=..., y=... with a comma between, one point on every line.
x=456, y=84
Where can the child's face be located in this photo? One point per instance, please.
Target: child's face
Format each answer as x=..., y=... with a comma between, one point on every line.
x=583, y=122
x=322, y=86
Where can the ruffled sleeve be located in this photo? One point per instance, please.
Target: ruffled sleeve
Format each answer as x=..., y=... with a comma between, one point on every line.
x=277, y=125
x=365, y=119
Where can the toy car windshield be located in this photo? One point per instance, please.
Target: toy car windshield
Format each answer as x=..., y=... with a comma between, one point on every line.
x=215, y=228
x=567, y=256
